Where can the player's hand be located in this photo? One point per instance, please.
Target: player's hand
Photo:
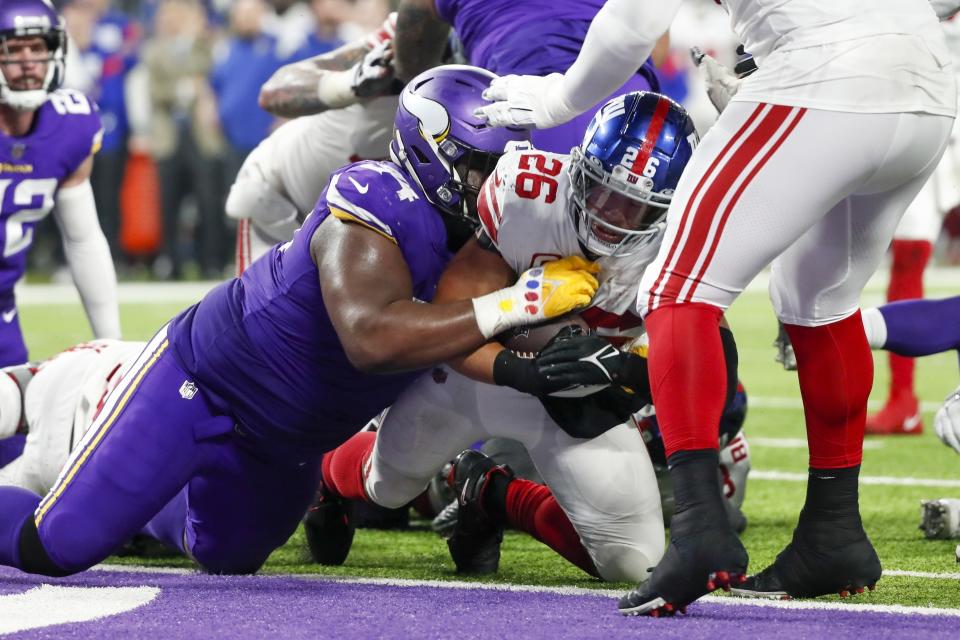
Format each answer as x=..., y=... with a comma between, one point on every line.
x=374, y=75
x=524, y=374
x=524, y=101
x=548, y=291
x=947, y=421
x=590, y=361
x=722, y=83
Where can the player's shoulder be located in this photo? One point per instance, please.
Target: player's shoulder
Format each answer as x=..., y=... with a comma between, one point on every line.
x=376, y=194
x=73, y=119
x=526, y=192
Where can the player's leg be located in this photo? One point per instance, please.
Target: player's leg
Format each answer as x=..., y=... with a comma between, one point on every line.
x=241, y=504
x=740, y=203
x=428, y=425
x=135, y=457
x=816, y=294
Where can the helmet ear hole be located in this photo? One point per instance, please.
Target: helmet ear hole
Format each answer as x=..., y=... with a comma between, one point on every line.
x=421, y=156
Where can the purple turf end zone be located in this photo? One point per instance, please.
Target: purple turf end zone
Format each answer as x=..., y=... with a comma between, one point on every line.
x=201, y=606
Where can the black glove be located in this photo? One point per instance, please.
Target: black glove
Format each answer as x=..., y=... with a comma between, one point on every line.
x=577, y=359
x=511, y=370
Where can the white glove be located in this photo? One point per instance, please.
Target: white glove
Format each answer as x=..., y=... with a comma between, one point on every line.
x=373, y=75
x=947, y=421
x=722, y=84
x=525, y=101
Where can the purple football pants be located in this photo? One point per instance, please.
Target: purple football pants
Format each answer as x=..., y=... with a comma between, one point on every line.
x=567, y=136
x=162, y=458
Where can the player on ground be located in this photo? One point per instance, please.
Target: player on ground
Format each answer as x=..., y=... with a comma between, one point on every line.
x=48, y=138
x=602, y=508
x=56, y=401
x=340, y=116
x=535, y=36
x=213, y=437
x=885, y=96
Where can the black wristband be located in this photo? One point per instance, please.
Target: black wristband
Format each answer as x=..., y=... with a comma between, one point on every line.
x=510, y=370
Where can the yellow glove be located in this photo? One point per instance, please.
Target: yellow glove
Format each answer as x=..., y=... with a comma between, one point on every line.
x=541, y=293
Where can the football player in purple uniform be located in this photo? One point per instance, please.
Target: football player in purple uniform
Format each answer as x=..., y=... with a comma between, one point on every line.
x=212, y=440
x=47, y=141
x=536, y=37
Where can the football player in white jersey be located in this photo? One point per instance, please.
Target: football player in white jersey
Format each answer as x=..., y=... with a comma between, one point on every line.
x=341, y=113
x=602, y=508
x=56, y=401
x=811, y=166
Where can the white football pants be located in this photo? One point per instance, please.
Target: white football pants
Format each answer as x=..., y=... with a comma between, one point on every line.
x=606, y=485
x=823, y=190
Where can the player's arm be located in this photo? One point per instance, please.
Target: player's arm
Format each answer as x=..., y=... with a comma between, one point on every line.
x=473, y=272
x=87, y=251
x=333, y=80
x=421, y=37
x=622, y=35
x=383, y=329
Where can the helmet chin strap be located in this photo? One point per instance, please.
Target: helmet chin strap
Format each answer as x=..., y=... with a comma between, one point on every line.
x=30, y=100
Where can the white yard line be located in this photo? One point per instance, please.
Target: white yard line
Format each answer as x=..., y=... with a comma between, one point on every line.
x=799, y=443
x=774, y=402
x=604, y=593
x=885, y=481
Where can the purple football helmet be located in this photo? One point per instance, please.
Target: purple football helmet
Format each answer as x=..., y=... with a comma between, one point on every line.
x=32, y=19
x=441, y=144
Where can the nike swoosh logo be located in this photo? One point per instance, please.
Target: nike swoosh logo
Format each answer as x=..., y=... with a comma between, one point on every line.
x=362, y=188
x=8, y=316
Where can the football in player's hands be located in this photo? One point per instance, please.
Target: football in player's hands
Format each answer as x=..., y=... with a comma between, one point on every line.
x=527, y=341
x=581, y=362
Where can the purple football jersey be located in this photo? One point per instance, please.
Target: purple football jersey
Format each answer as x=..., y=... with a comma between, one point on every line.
x=66, y=131
x=264, y=342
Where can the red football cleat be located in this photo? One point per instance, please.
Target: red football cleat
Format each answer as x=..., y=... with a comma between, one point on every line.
x=900, y=415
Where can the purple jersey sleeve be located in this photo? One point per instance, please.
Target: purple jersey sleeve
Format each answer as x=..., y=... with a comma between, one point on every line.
x=77, y=127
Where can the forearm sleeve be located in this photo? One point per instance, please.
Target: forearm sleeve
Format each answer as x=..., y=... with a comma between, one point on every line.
x=88, y=256
x=620, y=39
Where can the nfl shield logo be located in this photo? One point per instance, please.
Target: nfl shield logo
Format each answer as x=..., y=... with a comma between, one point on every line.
x=17, y=150
x=188, y=390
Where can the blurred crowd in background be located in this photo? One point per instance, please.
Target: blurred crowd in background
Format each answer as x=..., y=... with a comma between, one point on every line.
x=177, y=83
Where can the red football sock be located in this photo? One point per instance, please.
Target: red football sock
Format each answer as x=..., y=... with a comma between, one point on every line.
x=342, y=468
x=532, y=508
x=835, y=368
x=687, y=374
x=910, y=258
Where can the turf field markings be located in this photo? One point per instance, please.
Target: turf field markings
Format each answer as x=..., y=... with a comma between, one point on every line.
x=48, y=605
x=921, y=574
x=774, y=402
x=798, y=443
x=885, y=481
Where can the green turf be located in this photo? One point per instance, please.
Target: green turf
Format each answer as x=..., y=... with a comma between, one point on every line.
x=891, y=514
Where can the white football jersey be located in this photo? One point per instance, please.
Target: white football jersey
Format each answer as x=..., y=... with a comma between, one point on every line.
x=525, y=211
x=869, y=56
x=296, y=160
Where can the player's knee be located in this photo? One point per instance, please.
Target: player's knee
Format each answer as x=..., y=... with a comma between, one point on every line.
x=626, y=562
x=229, y=562
x=34, y=557
x=391, y=489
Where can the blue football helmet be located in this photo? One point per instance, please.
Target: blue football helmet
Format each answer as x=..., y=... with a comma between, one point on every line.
x=32, y=19
x=626, y=170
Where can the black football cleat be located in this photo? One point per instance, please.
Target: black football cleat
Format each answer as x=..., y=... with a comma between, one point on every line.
x=697, y=562
x=475, y=541
x=822, y=559
x=329, y=528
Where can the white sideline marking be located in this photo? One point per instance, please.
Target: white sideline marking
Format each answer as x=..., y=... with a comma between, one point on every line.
x=922, y=574
x=774, y=402
x=799, y=443
x=128, y=293
x=605, y=593
x=48, y=605
x=886, y=481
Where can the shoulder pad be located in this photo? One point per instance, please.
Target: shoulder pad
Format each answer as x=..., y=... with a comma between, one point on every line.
x=370, y=193
x=83, y=117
